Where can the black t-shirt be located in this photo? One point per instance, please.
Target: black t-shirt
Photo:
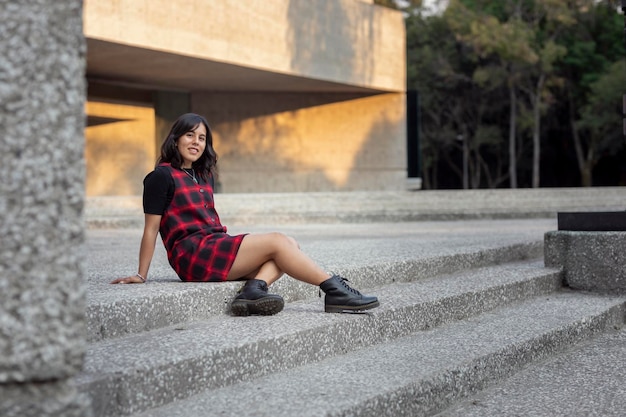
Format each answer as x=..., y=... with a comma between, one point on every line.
x=158, y=190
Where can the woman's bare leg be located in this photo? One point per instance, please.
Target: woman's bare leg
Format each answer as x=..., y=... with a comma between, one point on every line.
x=268, y=272
x=267, y=256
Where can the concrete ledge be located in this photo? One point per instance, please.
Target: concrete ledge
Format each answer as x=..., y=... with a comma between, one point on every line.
x=366, y=207
x=591, y=261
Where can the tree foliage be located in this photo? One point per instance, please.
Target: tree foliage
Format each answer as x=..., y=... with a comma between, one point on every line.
x=499, y=80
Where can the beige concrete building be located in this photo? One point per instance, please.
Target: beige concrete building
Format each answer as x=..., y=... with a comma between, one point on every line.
x=302, y=95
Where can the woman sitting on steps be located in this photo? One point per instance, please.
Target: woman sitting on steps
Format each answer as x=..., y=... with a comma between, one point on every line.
x=178, y=204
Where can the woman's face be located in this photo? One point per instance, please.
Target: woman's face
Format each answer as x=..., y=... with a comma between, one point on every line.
x=191, y=145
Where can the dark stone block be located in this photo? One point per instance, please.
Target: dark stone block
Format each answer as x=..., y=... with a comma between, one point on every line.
x=599, y=221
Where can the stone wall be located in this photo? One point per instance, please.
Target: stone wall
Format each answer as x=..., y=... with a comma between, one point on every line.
x=42, y=296
x=307, y=142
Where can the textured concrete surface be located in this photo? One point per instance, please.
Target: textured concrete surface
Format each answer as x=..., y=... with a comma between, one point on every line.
x=41, y=120
x=42, y=292
x=367, y=254
x=220, y=350
x=418, y=374
x=285, y=45
x=584, y=381
x=367, y=207
x=591, y=261
x=53, y=398
x=179, y=360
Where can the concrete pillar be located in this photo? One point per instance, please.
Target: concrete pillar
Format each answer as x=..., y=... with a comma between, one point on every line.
x=42, y=296
x=591, y=260
x=589, y=246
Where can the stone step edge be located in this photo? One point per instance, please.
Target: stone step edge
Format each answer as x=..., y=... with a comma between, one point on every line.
x=427, y=387
x=136, y=222
x=139, y=314
x=502, y=364
x=147, y=387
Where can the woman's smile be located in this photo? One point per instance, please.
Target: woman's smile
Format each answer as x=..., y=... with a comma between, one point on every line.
x=191, y=145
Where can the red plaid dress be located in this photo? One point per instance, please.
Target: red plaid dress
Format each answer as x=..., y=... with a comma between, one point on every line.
x=197, y=245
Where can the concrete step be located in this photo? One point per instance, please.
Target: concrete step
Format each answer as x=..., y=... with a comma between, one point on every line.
x=375, y=206
x=114, y=311
x=587, y=380
x=416, y=375
x=133, y=373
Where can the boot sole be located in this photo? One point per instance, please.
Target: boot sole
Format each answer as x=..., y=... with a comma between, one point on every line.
x=350, y=309
x=266, y=306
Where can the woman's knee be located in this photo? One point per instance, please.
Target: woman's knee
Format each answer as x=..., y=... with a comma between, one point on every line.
x=281, y=239
x=293, y=242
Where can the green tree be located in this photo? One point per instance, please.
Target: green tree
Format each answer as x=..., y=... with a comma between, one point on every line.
x=601, y=119
x=485, y=68
x=455, y=107
x=593, y=45
x=503, y=44
x=430, y=71
x=548, y=19
x=523, y=35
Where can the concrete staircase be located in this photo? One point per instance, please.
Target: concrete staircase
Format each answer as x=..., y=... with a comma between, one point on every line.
x=448, y=327
x=471, y=323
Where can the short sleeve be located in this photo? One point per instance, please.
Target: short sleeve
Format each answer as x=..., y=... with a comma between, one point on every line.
x=158, y=191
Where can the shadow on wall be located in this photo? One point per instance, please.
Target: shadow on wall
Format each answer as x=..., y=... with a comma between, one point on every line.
x=322, y=35
x=267, y=103
x=117, y=167
x=323, y=43
x=312, y=149
x=120, y=152
x=299, y=141
x=381, y=160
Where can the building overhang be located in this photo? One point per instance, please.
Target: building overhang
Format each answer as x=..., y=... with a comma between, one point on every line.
x=347, y=46
x=119, y=64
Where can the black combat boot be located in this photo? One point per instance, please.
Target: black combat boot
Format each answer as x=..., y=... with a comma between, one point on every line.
x=254, y=299
x=341, y=297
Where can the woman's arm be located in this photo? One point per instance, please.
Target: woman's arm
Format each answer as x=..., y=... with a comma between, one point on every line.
x=146, y=250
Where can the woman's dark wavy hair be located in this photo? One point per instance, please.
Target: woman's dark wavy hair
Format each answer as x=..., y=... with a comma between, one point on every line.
x=206, y=164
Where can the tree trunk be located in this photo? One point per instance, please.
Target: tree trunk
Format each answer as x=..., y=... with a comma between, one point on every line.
x=466, y=157
x=537, y=131
x=586, y=176
x=476, y=170
x=512, y=133
x=585, y=170
x=586, y=173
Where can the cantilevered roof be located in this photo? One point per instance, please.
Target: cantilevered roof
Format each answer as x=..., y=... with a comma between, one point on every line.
x=229, y=45
x=120, y=64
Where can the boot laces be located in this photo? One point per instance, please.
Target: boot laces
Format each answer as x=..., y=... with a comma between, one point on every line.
x=344, y=282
